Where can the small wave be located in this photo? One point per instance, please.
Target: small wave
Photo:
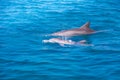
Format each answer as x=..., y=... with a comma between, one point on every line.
x=53, y=51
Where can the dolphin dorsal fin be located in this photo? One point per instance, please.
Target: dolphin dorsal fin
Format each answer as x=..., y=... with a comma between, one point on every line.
x=85, y=26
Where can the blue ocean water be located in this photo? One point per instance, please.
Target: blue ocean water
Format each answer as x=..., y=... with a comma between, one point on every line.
x=24, y=24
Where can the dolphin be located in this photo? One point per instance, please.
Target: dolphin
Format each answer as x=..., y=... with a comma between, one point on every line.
x=67, y=42
x=83, y=30
x=59, y=41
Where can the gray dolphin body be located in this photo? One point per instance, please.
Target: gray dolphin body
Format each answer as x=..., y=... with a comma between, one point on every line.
x=59, y=41
x=83, y=30
x=67, y=42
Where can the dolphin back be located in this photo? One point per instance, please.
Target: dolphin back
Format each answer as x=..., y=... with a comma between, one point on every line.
x=86, y=27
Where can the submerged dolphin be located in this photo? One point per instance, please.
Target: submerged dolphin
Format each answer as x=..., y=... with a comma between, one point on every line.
x=59, y=41
x=67, y=42
x=83, y=30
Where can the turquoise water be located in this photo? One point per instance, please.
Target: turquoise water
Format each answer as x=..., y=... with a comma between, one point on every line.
x=24, y=24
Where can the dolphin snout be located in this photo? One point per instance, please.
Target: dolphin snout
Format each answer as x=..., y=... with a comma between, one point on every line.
x=45, y=41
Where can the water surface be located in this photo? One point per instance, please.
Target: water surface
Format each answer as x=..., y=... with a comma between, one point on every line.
x=23, y=24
